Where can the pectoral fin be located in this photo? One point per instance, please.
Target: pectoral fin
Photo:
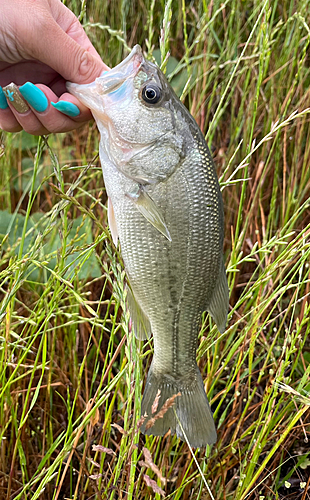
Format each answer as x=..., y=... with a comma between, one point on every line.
x=149, y=210
x=141, y=324
x=218, y=307
x=112, y=222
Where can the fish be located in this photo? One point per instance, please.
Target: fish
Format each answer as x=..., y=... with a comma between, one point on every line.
x=165, y=208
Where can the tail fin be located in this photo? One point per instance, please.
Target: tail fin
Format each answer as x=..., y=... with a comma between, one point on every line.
x=192, y=409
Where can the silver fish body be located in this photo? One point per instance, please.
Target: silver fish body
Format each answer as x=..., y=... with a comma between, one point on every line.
x=166, y=208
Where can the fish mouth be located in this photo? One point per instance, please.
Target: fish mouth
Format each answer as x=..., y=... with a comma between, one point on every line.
x=109, y=81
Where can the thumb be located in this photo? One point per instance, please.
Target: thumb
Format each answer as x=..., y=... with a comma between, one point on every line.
x=70, y=53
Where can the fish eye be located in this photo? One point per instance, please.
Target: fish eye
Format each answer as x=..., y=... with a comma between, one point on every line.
x=151, y=93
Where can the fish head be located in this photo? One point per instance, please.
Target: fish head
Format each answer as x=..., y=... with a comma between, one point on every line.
x=133, y=100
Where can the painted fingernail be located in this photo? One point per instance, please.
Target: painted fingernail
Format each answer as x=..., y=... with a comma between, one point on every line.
x=67, y=108
x=34, y=96
x=3, y=101
x=15, y=98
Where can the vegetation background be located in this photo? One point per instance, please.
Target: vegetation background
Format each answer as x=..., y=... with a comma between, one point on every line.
x=71, y=373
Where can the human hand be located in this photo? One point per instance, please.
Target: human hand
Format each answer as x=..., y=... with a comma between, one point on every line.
x=42, y=42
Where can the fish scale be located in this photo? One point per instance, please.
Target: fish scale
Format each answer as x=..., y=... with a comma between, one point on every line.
x=168, y=215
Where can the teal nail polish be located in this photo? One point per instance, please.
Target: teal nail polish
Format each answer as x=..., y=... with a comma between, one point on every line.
x=3, y=101
x=67, y=108
x=34, y=96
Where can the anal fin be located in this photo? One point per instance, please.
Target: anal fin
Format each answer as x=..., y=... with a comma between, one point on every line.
x=141, y=324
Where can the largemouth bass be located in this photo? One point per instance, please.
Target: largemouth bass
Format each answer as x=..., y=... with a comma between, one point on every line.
x=165, y=206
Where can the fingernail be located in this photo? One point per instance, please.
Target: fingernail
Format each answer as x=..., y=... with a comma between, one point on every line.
x=67, y=108
x=15, y=98
x=3, y=101
x=36, y=98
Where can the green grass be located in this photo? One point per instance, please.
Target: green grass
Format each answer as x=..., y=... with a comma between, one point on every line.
x=71, y=372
